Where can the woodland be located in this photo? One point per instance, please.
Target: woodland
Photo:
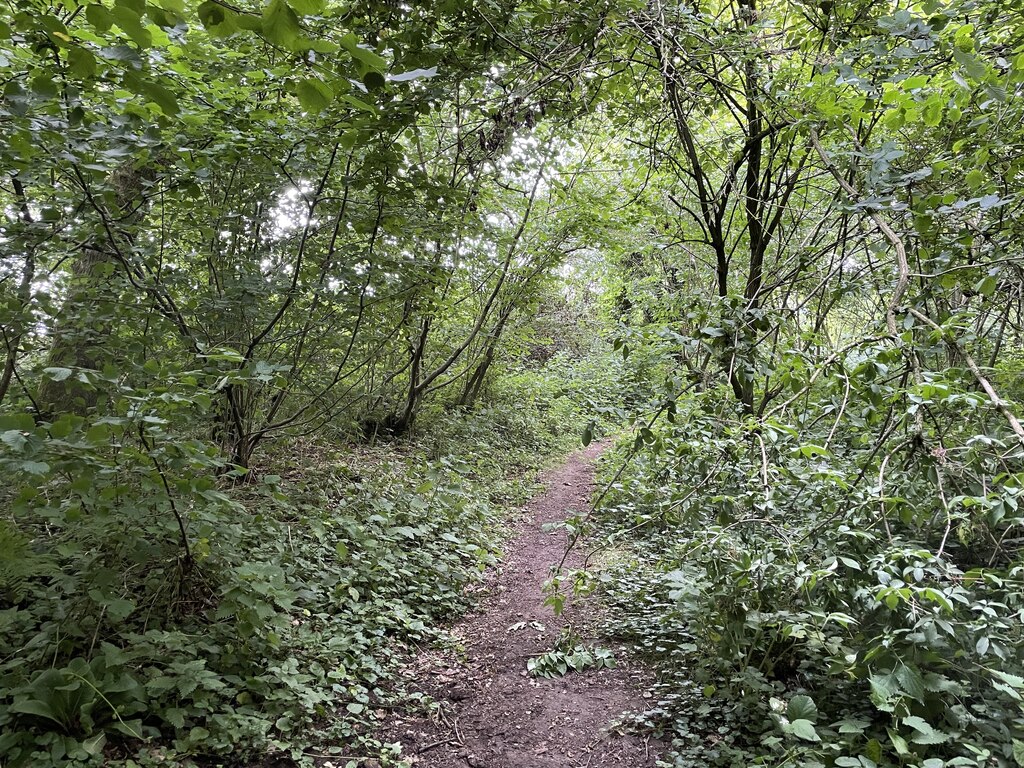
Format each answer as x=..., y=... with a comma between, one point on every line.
x=297, y=297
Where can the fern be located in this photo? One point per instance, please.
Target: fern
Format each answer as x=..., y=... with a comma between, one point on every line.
x=19, y=564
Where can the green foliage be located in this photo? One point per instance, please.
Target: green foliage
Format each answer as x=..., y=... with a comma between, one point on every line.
x=568, y=655
x=237, y=236
x=819, y=618
x=281, y=632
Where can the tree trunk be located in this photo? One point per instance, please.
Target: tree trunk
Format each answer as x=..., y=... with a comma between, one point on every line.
x=83, y=327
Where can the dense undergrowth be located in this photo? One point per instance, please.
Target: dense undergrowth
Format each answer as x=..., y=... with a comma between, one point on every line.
x=281, y=284
x=810, y=597
x=273, y=635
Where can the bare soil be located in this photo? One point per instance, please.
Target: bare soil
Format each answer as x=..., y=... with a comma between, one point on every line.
x=492, y=714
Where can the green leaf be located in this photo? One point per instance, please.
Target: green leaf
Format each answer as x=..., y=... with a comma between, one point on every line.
x=130, y=23
x=932, y=114
x=1018, y=751
x=910, y=681
x=15, y=439
x=926, y=734
x=309, y=7
x=987, y=286
x=152, y=92
x=1014, y=681
x=374, y=80
x=814, y=451
x=81, y=62
x=37, y=708
x=853, y=725
x=898, y=742
x=21, y=421
x=58, y=374
x=217, y=19
x=162, y=97
x=973, y=66
x=99, y=17
x=358, y=103
x=94, y=746
x=314, y=94
x=281, y=24
x=62, y=427
x=368, y=57
x=804, y=729
x=802, y=708
x=873, y=750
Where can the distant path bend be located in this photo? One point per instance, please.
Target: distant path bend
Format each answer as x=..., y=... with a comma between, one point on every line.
x=494, y=715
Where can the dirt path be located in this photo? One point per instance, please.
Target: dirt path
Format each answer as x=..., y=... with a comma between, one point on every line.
x=494, y=715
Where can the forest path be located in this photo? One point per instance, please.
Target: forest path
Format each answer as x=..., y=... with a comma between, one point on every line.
x=492, y=713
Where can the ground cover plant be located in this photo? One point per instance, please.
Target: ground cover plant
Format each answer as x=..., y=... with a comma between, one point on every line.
x=276, y=632
x=295, y=296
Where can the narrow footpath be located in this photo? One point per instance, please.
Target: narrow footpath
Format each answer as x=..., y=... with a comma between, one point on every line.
x=492, y=713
